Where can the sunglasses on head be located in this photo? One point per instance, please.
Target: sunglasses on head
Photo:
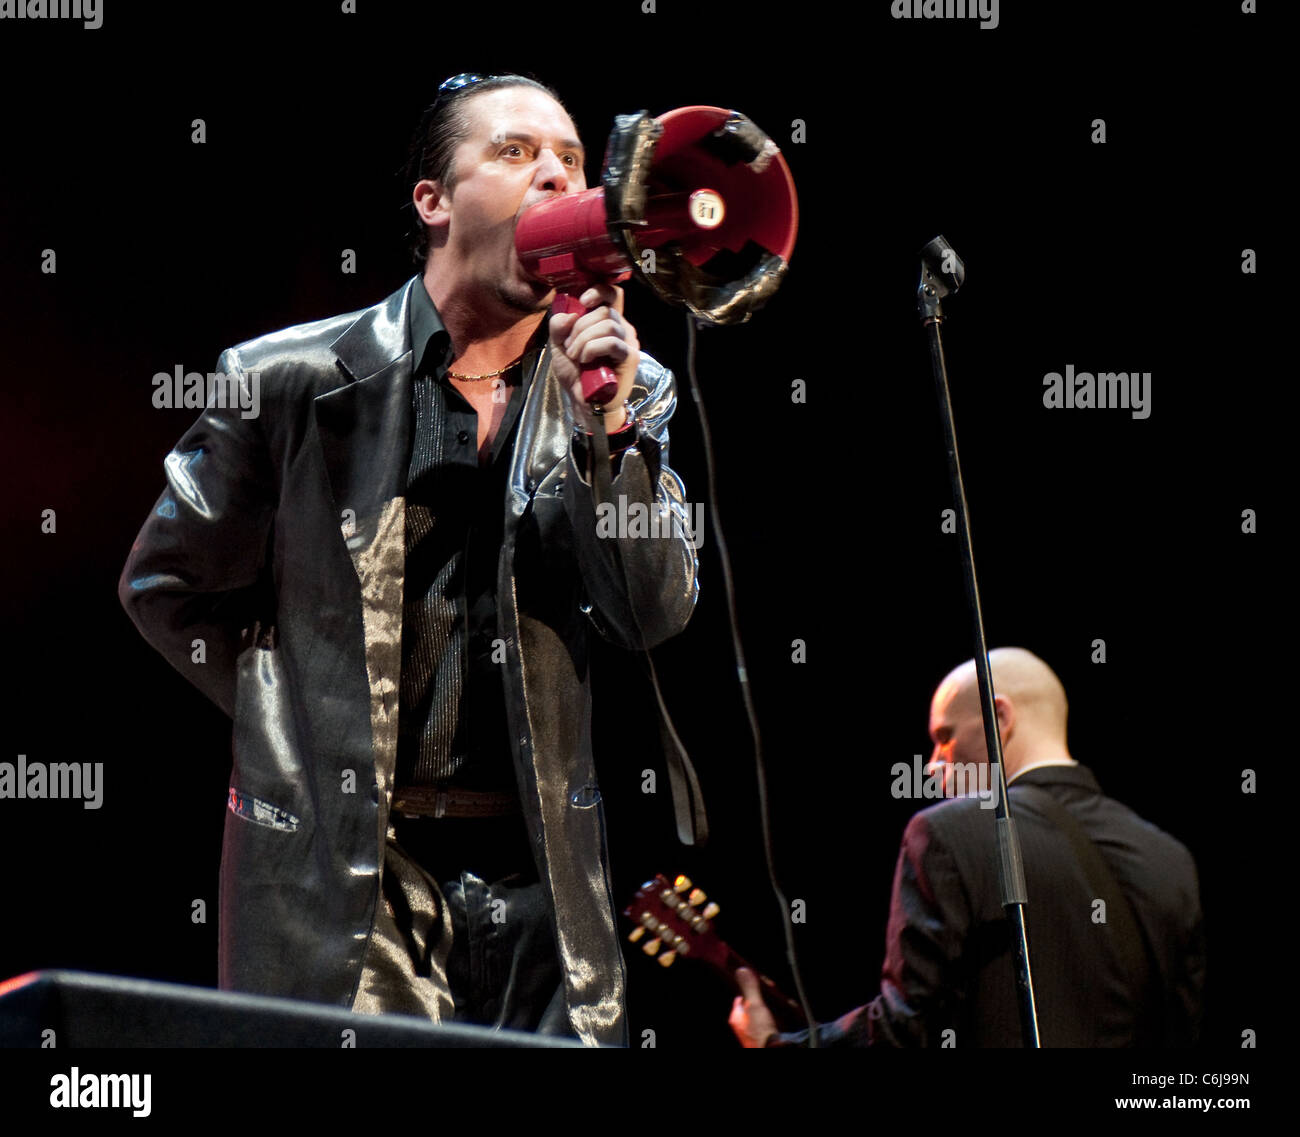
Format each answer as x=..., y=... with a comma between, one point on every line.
x=459, y=83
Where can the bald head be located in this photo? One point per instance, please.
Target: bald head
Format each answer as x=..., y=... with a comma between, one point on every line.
x=1025, y=680
x=1031, y=706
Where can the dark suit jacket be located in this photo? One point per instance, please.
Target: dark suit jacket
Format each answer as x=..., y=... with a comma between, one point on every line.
x=279, y=542
x=950, y=963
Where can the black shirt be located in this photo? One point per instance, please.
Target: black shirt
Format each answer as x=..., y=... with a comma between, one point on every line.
x=452, y=728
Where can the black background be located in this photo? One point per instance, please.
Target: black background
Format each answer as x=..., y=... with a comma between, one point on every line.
x=1089, y=524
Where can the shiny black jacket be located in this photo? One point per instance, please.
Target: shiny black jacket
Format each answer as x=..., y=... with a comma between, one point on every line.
x=279, y=543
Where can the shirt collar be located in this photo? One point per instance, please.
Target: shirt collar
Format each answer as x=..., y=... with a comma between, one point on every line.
x=430, y=342
x=431, y=345
x=1039, y=765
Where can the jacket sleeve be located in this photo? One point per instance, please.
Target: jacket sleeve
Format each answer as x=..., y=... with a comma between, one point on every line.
x=919, y=987
x=649, y=526
x=195, y=569
x=1185, y=987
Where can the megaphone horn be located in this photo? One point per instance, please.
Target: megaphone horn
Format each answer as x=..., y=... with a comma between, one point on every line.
x=698, y=202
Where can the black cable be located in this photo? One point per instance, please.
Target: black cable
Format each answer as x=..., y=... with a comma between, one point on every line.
x=743, y=675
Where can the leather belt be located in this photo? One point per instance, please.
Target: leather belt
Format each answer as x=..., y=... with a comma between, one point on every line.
x=425, y=801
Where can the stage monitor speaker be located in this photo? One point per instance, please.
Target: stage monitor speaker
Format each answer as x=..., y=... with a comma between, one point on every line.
x=87, y=1010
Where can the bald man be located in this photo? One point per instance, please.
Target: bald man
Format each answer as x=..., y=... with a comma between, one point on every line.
x=1114, y=913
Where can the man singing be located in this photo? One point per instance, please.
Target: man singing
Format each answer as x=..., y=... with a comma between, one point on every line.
x=394, y=569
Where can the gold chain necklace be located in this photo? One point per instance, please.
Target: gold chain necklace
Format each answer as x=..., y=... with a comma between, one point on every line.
x=488, y=375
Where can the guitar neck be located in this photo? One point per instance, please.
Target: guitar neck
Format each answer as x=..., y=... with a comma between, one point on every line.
x=788, y=1013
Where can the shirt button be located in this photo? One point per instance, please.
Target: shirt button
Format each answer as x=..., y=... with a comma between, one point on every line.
x=463, y=436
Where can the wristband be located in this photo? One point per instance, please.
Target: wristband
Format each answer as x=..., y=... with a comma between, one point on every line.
x=621, y=439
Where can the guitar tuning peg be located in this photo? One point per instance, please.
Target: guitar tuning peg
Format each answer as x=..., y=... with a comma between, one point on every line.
x=682, y=883
x=635, y=934
x=711, y=910
x=697, y=897
x=651, y=947
x=666, y=960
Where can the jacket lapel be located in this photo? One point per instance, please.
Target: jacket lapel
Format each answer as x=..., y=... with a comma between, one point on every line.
x=364, y=426
x=364, y=429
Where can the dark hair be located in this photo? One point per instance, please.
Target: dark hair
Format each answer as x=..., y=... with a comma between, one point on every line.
x=442, y=128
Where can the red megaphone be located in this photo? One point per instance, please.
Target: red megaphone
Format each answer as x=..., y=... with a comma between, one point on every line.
x=698, y=203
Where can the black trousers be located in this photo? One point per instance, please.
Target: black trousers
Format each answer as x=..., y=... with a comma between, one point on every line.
x=465, y=930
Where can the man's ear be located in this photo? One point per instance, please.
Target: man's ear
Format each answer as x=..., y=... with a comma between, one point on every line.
x=1007, y=716
x=431, y=203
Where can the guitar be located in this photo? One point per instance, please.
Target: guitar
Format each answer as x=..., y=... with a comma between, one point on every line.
x=678, y=919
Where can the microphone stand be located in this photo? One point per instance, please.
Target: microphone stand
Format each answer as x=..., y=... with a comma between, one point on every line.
x=942, y=272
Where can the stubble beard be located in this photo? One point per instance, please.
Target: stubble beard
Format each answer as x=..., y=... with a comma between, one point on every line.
x=525, y=297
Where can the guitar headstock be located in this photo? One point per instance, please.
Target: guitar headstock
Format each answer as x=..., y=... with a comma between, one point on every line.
x=678, y=918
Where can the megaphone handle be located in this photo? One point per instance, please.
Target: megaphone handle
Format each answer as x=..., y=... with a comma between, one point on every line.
x=599, y=384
